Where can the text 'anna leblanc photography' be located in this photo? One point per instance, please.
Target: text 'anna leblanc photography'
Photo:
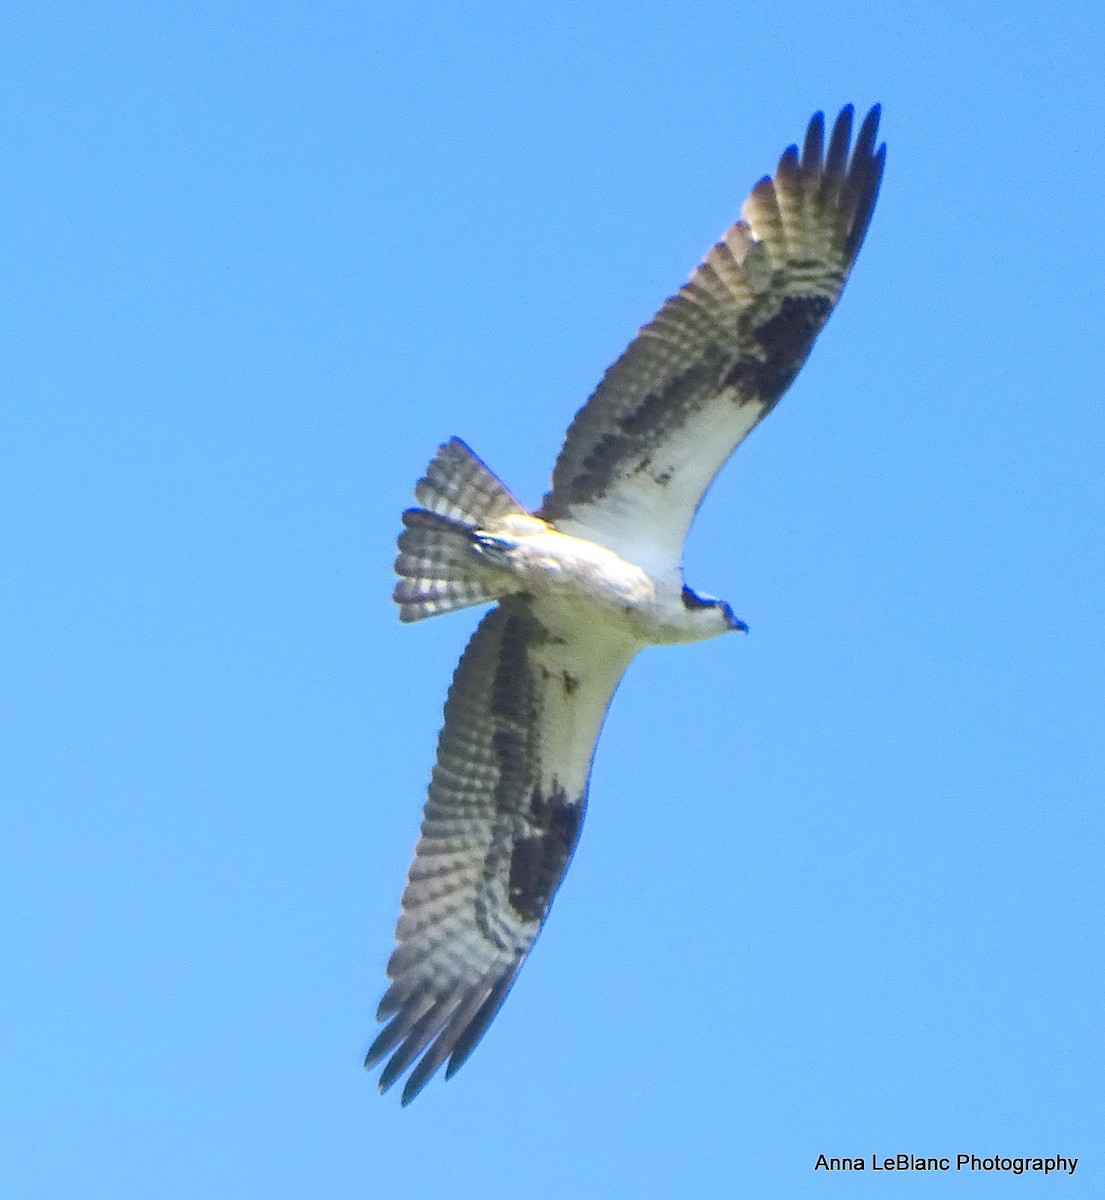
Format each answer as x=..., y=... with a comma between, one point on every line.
x=1022, y=1165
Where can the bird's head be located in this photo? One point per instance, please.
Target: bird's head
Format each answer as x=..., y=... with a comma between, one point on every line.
x=716, y=608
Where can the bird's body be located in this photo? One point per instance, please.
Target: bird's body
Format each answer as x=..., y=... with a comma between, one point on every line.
x=552, y=565
x=585, y=583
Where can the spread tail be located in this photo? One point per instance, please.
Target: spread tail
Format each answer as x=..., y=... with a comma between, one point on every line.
x=457, y=484
x=443, y=562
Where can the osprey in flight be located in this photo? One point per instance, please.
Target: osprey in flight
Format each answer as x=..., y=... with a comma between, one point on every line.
x=586, y=582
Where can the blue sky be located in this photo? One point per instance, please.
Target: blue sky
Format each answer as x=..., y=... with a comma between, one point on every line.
x=839, y=889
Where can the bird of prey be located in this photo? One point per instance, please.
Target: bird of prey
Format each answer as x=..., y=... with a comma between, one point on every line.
x=585, y=582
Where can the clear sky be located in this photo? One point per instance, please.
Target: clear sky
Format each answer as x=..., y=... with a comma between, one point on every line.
x=840, y=885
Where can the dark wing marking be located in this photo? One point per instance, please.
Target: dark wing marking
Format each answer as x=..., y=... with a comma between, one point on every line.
x=502, y=817
x=639, y=456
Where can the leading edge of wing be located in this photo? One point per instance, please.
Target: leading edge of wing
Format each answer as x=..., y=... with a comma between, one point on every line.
x=643, y=450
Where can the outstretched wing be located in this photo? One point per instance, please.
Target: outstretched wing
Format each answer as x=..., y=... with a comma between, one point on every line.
x=504, y=810
x=642, y=452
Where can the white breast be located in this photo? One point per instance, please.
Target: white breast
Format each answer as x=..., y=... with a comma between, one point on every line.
x=590, y=583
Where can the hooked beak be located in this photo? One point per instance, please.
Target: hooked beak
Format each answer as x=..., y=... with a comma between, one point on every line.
x=734, y=623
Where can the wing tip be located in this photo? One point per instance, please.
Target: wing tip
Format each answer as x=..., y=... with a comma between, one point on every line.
x=424, y=1037
x=836, y=159
x=839, y=182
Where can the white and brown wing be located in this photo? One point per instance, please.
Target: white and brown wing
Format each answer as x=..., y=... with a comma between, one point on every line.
x=642, y=452
x=502, y=817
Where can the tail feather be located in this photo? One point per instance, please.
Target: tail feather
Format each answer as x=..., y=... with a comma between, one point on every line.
x=458, y=484
x=441, y=564
x=440, y=568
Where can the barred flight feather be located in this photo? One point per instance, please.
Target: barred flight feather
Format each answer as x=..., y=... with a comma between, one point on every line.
x=458, y=484
x=440, y=569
